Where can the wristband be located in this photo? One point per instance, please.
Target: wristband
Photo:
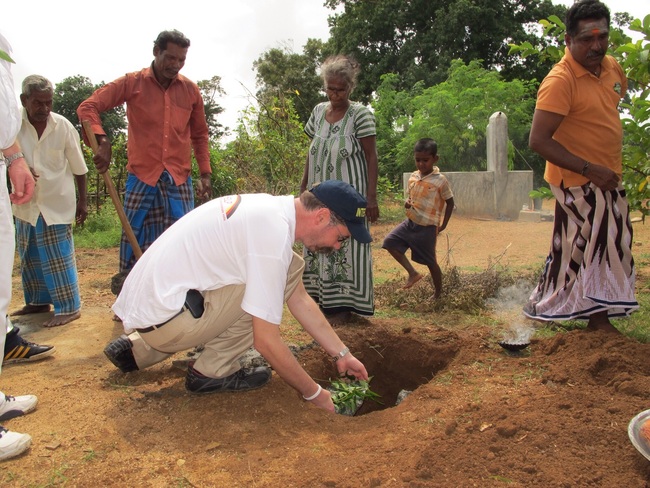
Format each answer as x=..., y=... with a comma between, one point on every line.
x=341, y=354
x=12, y=158
x=585, y=168
x=310, y=398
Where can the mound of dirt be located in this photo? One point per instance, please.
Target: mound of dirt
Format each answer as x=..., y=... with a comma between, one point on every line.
x=552, y=415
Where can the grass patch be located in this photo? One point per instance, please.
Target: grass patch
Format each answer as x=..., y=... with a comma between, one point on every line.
x=392, y=213
x=637, y=326
x=100, y=231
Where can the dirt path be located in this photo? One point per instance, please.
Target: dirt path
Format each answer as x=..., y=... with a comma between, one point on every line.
x=555, y=415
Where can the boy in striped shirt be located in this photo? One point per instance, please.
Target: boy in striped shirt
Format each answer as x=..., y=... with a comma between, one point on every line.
x=429, y=206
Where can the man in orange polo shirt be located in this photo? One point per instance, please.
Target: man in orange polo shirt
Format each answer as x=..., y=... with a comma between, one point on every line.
x=589, y=273
x=166, y=121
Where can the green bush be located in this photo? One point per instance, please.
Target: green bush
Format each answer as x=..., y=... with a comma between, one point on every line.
x=542, y=192
x=101, y=230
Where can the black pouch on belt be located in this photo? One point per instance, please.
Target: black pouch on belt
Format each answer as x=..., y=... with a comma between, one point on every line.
x=194, y=303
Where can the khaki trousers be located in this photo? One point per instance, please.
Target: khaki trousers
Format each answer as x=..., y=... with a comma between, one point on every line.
x=225, y=330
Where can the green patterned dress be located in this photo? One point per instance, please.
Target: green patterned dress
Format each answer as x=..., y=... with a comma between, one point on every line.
x=341, y=281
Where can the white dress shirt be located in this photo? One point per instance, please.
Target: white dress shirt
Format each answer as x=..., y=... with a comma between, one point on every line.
x=56, y=157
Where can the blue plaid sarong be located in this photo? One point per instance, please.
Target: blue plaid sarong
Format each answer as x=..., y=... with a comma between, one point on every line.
x=151, y=210
x=47, y=265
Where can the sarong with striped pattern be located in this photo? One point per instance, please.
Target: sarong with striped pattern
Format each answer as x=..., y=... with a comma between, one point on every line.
x=590, y=268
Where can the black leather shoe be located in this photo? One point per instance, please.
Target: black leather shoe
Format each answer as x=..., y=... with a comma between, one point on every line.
x=120, y=354
x=242, y=380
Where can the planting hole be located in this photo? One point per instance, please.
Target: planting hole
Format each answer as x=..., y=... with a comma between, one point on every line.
x=395, y=361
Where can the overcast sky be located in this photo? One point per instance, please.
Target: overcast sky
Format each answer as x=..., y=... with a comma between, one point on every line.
x=104, y=40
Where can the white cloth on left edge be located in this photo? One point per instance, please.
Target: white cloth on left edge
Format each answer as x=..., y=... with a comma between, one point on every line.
x=9, y=108
x=9, y=126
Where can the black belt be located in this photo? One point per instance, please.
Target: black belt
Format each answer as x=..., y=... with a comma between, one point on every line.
x=154, y=327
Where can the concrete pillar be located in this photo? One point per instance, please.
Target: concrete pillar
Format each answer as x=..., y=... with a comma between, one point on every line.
x=497, y=157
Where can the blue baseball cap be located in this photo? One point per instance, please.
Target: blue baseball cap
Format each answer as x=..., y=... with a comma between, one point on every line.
x=346, y=202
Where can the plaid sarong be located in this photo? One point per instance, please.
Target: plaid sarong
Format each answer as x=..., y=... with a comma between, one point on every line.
x=151, y=210
x=47, y=265
x=590, y=268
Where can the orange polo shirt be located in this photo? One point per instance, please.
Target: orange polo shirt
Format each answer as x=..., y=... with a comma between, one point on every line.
x=591, y=128
x=164, y=125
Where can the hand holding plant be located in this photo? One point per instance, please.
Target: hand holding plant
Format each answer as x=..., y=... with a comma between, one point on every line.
x=348, y=394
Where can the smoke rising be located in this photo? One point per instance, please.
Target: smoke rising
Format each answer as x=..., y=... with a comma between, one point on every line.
x=508, y=306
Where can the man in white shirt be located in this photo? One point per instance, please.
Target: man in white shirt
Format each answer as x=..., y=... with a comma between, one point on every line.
x=220, y=276
x=44, y=224
x=14, y=168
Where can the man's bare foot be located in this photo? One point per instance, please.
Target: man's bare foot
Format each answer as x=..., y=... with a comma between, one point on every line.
x=413, y=280
x=605, y=326
x=30, y=309
x=58, y=320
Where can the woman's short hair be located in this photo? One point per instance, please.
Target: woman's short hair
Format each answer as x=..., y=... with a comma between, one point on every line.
x=341, y=66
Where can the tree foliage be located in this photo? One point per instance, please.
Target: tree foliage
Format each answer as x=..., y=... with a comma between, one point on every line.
x=419, y=39
x=269, y=152
x=73, y=90
x=455, y=113
x=210, y=90
x=281, y=73
x=633, y=57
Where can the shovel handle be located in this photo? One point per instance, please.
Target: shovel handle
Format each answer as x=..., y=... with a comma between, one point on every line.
x=137, y=252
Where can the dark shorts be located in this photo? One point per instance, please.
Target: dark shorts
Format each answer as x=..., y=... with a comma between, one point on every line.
x=419, y=238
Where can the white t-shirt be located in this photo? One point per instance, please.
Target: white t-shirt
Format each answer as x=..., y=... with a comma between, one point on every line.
x=233, y=240
x=56, y=157
x=9, y=108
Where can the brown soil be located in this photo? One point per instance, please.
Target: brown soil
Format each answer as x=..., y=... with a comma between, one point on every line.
x=554, y=415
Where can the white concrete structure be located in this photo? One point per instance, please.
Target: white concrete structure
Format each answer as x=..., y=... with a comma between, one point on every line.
x=496, y=193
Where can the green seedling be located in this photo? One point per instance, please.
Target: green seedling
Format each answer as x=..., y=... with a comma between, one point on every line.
x=348, y=394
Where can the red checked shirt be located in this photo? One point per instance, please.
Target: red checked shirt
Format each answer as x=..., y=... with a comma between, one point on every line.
x=427, y=195
x=164, y=125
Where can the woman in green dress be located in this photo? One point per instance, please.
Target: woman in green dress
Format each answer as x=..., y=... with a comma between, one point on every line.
x=343, y=147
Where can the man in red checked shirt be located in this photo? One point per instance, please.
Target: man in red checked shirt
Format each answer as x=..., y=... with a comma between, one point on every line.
x=166, y=120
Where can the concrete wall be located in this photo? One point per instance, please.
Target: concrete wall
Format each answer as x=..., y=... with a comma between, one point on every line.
x=496, y=193
x=475, y=193
x=520, y=183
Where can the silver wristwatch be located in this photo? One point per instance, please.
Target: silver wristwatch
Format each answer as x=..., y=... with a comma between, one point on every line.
x=12, y=158
x=341, y=354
